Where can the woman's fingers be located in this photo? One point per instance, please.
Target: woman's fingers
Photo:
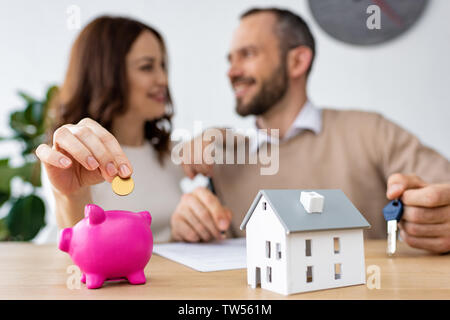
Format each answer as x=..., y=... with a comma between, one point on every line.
x=53, y=157
x=92, y=146
x=64, y=139
x=108, y=165
x=111, y=143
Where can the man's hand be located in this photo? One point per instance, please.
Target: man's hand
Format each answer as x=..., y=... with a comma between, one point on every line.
x=196, y=160
x=426, y=217
x=200, y=217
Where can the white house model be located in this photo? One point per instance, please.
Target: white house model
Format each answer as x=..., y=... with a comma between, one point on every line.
x=300, y=241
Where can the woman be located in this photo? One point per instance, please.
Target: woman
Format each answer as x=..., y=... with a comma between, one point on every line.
x=114, y=110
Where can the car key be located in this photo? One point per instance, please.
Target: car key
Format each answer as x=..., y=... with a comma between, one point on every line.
x=392, y=212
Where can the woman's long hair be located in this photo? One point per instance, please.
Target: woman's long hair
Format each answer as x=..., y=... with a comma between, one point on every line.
x=96, y=83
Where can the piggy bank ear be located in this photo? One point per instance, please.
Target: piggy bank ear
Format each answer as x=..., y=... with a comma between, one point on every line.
x=146, y=216
x=94, y=213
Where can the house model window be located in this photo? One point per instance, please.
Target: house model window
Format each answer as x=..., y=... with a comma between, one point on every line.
x=337, y=247
x=278, y=251
x=264, y=205
x=268, y=249
x=269, y=274
x=309, y=275
x=308, y=247
x=337, y=271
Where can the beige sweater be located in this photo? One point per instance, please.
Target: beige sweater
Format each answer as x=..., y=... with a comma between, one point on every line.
x=355, y=152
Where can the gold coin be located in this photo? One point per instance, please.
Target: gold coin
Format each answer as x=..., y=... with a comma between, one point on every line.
x=121, y=186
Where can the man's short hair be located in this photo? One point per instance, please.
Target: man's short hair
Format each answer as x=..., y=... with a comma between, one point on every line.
x=291, y=30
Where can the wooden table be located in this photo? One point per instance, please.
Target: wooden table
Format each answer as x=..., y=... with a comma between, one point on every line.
x=30, y=271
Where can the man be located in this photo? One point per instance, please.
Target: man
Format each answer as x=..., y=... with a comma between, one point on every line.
x=368, y=157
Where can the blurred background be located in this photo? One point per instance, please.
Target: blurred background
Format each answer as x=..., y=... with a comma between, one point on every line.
x=407, y=79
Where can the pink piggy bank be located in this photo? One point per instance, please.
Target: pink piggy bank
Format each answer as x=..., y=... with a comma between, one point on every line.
x=109, y=245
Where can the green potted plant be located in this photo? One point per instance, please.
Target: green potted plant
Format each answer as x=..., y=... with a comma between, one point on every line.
x=26, y=214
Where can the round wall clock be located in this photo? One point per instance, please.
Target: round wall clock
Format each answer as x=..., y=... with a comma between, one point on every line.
x=346, y=20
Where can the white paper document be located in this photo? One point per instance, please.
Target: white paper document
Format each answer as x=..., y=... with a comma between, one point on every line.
x=226, y=254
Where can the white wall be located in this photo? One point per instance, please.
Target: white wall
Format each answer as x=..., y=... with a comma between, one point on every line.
x=322, y=259
x=265, y=226
x=407, y=79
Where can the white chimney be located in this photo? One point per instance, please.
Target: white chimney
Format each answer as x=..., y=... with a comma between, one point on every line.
x=312, y=201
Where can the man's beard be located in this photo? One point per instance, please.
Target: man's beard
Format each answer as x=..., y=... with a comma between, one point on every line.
x=272, y=91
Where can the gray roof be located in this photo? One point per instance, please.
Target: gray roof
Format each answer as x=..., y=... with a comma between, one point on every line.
x=338, y=211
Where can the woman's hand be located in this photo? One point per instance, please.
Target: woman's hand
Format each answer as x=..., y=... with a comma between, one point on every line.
x=82, y=155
